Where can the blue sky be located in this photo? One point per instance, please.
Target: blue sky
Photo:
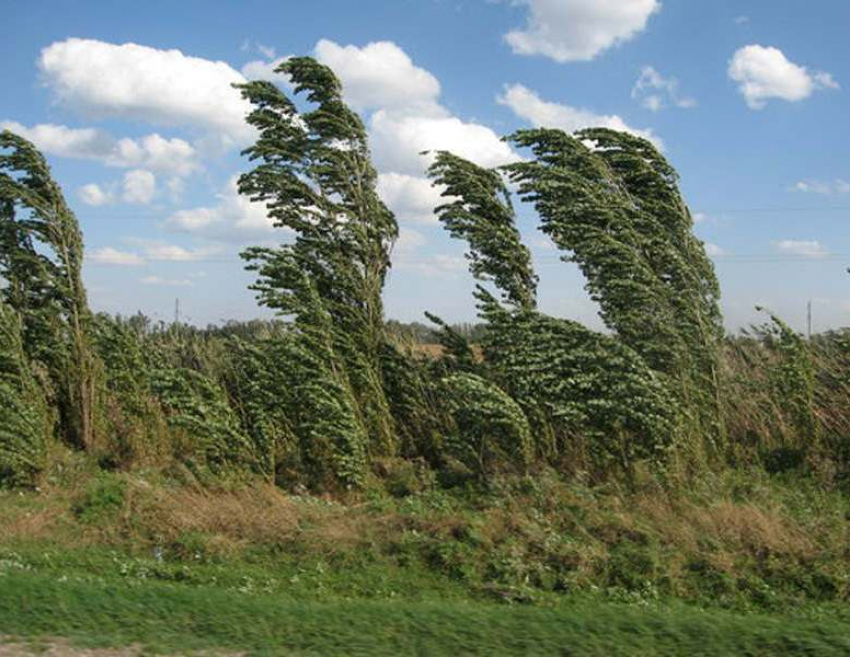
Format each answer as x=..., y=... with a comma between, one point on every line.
x=132, y=105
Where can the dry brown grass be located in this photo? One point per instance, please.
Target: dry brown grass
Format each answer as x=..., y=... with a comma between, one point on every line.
x=227, y=520
x=30, y=525
x=734, y=525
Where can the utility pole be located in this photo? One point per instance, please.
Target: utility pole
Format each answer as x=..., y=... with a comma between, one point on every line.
x=809, y=319
x=176, y=311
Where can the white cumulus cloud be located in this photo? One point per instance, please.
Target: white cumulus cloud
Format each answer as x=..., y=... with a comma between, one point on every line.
x=150, y=251
x=139, y=187
x=526, y=104
x=157, y=251
x=233, y=219
x=174, y=156
x=411, y=198
x=94, y=195
x=763, y=73
x=109, y=256
x=398, y=141
x=132, y=81
x=260, y=69
x=85, y=143
x=407, y=117
x=408, y=241
x=713, y=250
x=578, y=30
x=171, y=156
x=381, y=75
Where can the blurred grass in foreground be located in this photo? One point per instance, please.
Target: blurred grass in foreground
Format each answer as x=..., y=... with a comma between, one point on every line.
x=174, y=618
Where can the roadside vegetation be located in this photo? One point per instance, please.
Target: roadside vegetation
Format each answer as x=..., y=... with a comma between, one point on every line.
x=517, y=485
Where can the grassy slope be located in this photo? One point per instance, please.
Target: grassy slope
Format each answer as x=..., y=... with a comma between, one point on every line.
x=740, y=565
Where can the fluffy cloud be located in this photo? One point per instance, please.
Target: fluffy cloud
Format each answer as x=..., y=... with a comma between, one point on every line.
x=94, y=195
x=161, y=252
x=806, y=248
x=234, y=219
x=150, y=251
x=110, y=256
x=259, y=69
x=540, y=113
x=381, y=75
x=823, y=187
x=139, y=187
x=172, y=156
x=398, y=141
x=578, y=30
x=411, y=198
x=136, y=82
x=407, y=117
x=764, y=73
x=86, y=143
x=655, y=92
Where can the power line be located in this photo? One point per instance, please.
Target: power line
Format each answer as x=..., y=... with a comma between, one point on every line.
x=754, y=210
x=745, y=259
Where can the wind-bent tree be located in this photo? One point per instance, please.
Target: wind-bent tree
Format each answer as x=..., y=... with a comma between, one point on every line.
x=41, y=255
x=611, y=200
x=571, y=382
x=314, y=173
x=481, y=213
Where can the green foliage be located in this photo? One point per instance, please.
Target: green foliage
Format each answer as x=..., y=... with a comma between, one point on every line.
x=413, y=393
x=197, y=409
x=316, y=178
x=783, y=391
x=46, y=291
x=320, y=406
x=490, y=429
x=25, y=420
x=611, y=201
x=458, y=353
x=588, y=395
x=320, y=399
x=257, y=393
x=102, y=499
x=134, y=419
x=329, y=390
x=481, y=213
x=793, y=378
x=582, y=391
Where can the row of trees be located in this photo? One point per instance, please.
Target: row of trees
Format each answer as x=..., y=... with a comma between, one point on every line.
x=322, y=397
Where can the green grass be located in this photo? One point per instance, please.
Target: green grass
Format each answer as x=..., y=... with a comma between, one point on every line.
x=165, y=617
x=743, y=565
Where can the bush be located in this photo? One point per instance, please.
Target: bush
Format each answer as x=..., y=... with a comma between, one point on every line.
x=103, y=498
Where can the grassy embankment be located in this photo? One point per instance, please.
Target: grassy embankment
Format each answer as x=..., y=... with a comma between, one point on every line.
x=743, y=564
